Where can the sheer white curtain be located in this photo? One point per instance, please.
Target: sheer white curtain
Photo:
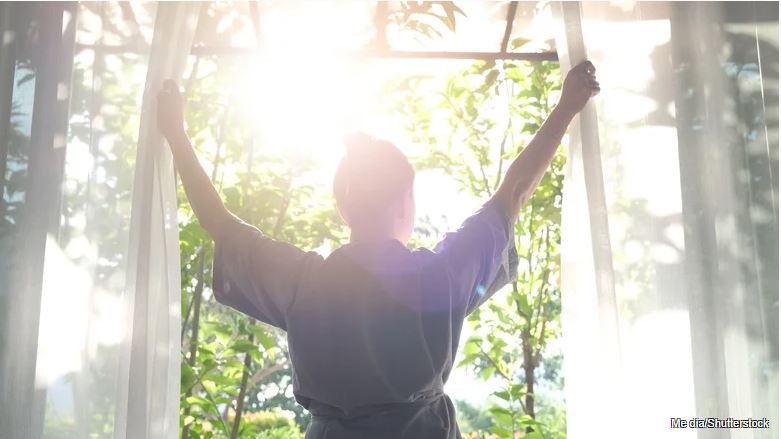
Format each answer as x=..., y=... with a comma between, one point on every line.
x=670, y=223
x=151, y=347
x=90, y=343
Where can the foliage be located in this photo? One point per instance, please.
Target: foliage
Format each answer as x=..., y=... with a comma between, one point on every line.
x=507, y=101
x=425, y=19
x=269, y=424
x=472, y=418
x=231, y=363
x=227, y=357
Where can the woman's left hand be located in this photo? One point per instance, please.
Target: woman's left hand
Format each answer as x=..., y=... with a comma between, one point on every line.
x=579, y=86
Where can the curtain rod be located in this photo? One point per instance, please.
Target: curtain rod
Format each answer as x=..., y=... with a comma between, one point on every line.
x=390, y=54
x=400, y=54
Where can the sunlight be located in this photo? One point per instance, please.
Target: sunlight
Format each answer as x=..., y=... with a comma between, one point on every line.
x=76, y=324
x=335, y=27
x=302, y=101
x=64, y=317
x=302, y=106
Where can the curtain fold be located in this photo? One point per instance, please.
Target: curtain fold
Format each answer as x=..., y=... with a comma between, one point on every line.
x=670, y=219
x=589, y=317
x=90, y=286
x=151, y=352
x=37, y=64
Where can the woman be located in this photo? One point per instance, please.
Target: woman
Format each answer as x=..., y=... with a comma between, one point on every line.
x=373, y=328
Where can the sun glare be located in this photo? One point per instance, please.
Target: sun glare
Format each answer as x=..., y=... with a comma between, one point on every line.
x=301, y=95
x=301, y=105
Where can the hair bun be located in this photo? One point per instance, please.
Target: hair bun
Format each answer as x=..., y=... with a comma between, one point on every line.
x=356, y=142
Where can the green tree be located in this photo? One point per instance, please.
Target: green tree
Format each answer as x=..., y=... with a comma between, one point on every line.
x=490, y=111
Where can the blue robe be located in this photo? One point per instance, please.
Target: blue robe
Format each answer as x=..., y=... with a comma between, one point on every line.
x=373, y=329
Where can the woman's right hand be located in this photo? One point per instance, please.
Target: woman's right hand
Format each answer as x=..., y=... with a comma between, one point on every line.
x=170, y=110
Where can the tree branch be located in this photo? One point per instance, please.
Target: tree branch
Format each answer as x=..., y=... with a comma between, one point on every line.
x=501, y=154
x=196, y=306
x=496, y=365
x=264, y=373
x=242, y=390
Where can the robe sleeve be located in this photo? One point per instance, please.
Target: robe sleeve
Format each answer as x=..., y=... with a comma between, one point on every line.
x=257, y=275
x=479, y=258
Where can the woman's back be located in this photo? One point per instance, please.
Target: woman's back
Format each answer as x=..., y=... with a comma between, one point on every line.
x=372, y=329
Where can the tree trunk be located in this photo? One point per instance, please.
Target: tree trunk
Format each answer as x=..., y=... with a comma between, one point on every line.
x=528, y=367
x=197, y=295
x=242, y=389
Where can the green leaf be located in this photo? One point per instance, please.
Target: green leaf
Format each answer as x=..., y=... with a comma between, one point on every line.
x=501, y=432
x=490, y=79
x=232, y=197
x=518, y=42
x=199, y=401
x=209, y=386
x=502, y=416
x=523, y=306
x=264, y=338
x=188, y=377
x=219, y=378
x=451, y=9
x=215, y=327
x=242, y=346
x=471, y=348
x=503, y=394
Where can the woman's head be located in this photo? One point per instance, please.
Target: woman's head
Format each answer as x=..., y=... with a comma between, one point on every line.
x=373, y=189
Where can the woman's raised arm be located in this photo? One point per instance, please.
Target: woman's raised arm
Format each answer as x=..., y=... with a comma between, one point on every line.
x=526, y=171
x=204, y=199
